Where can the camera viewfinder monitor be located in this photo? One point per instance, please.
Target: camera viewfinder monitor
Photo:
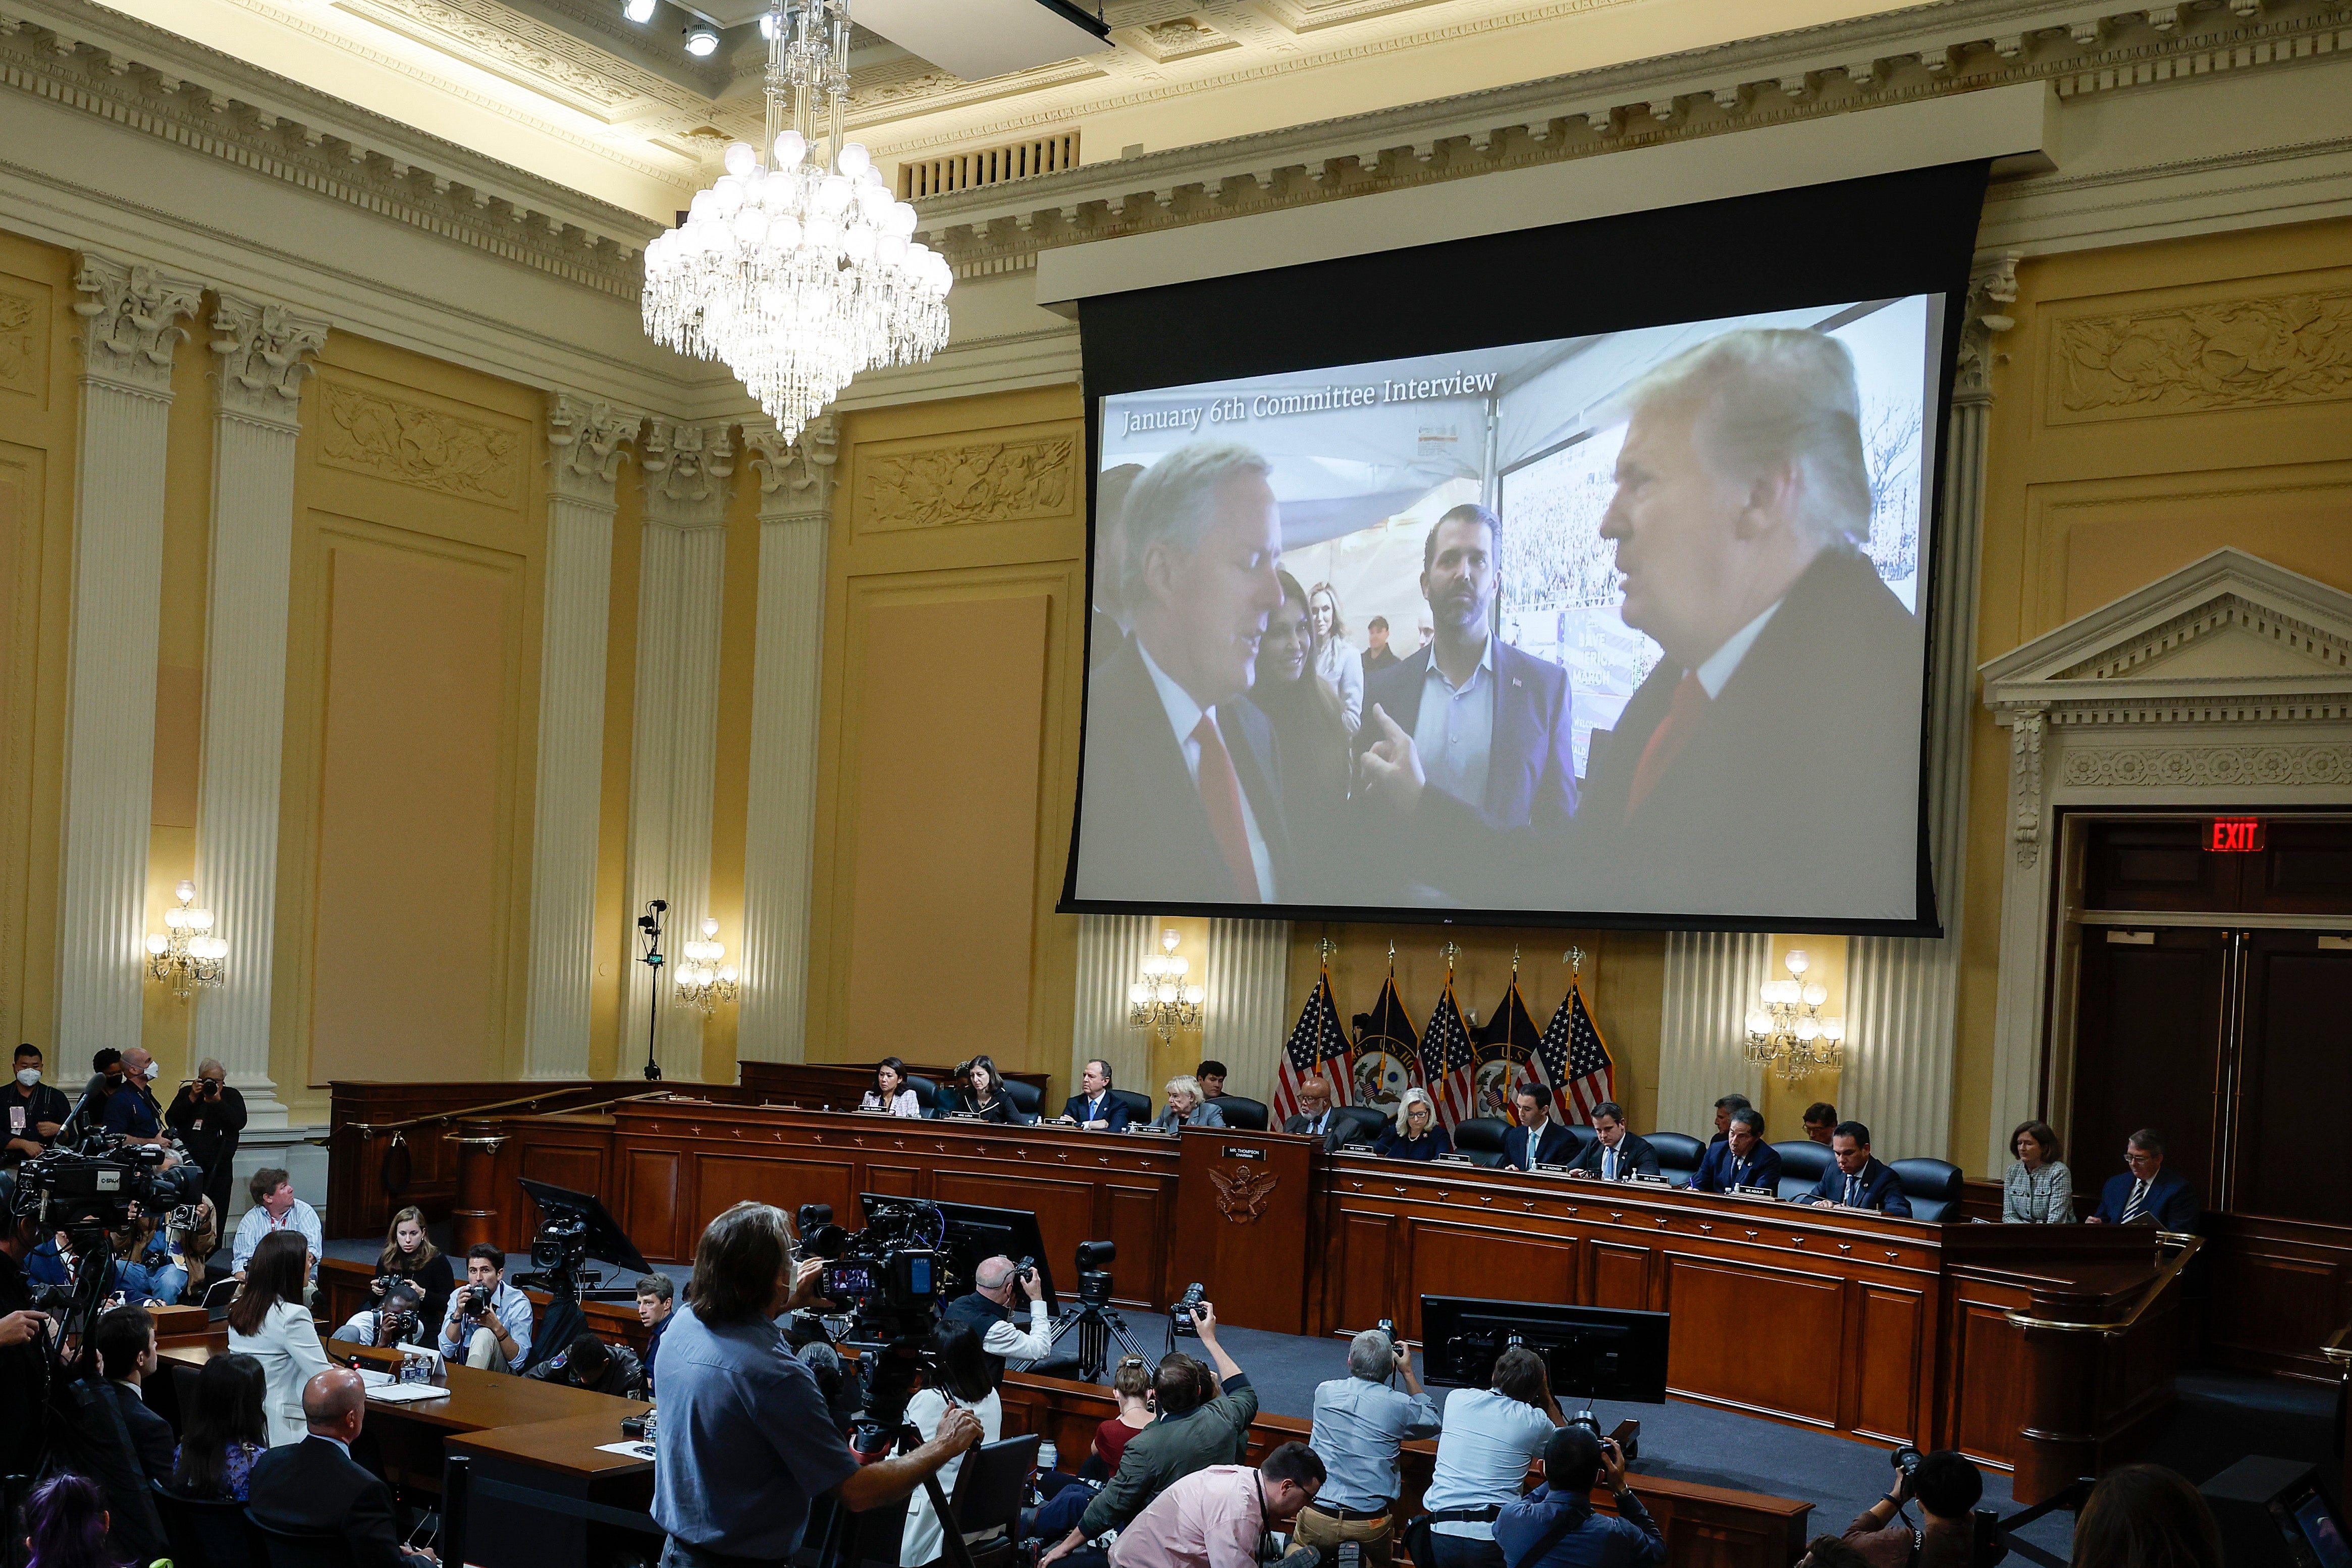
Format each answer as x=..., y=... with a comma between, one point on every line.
x=976, y=1234
x=1593, y=1353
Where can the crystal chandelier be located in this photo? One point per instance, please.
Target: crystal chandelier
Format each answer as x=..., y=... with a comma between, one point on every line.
x=798, y=272
x=1787, y=1033
x=186, y=953
x=702, y=981
x=1163, y=999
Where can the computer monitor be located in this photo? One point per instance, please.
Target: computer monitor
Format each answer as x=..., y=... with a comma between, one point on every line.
x=2276, y=1512
x=1594, y=1353
x=976, y=1233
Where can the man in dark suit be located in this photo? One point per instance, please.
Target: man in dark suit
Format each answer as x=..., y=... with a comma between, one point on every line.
x=1726, y=1108
x=315, y=1484
x=1617, y=1153
x=1315, y=1113
x=2145, y=1194
x=1489, y=723
x=1180, y=802
x=1742, y=1159
x=1095, y=1109
x=1538, y=1140
x=1856, y=1180
x=125, y=1342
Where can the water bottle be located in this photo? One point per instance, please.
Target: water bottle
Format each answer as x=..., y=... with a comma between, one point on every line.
x=1049, y=1457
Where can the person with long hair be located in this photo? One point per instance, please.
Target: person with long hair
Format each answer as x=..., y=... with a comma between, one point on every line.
x=2145, y=1516
x=1131, y=1383
x=2039, y=1189
x=984, y=1092
x=65, y=1522
x=225, y=1431
x=1416, y=1135
x=408, y=1251
x=1309, y=731
x=890, y=1092
x=962, y=1382
x=269, y=1322
x=1336, y=658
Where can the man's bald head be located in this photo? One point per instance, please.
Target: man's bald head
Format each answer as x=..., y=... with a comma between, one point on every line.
x=135, y=1062
x=334, y=1403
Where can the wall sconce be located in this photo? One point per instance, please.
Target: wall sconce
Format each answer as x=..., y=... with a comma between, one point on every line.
x=1163, y=999
x=702, y=981
x=186, y=953
x=1787, y=1033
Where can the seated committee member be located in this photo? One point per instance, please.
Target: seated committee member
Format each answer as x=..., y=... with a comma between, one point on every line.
x=1555, y=1526
x=1947, y=1487
x=1224, y=1516
x=1416, y=1135
x=316, y=1485
x=1821, y=1121
x=1094, y=1107
x=1490, y=1438
x=269, y=1322
x=1723, y=1114
x=746, y=1440
x=1186, y=1107
x=2145, y=1195
x=1360, y=1422
x=2039, y=1189
x=589, y=1362
x=982, y=1094
x=275, y=1209
x=988, y=1309
x=1315, y=1117
x=488, y=1321
x=1211, y=1075
x=1538, y=1140
x=1742, y=1159
x=1855, y=1179
x=890, y=1092
x=1181, y=799
x=1616, y=1151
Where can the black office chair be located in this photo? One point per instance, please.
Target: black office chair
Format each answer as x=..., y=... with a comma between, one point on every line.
x=989, y=1491
x=1584, y=1137
x=1249, y=1114
x=1932, y=1185
x=303, y=1548
x=1025, y=1097
x=1138, y=1106
x=927, y=1093
x=1802, y=1163
x=1359, y=1125
x=209, y=1532
x=1480, y=1137
x=1679, y=1155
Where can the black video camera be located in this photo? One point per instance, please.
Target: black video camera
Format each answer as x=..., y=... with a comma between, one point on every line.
x=886, y=1276
x=88, y=1190
x=561, y=1241
x=1179, y=1316
x=1986, y=1546
x=1093, y=1272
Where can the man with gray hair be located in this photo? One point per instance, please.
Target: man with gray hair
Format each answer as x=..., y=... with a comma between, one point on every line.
x=1179, y=799
x=1359, y=1421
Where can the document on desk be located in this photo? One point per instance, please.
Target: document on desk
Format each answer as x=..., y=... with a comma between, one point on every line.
x=630, y=1450
x=406, y=1393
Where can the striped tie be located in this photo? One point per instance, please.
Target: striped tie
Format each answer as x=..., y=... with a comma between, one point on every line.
x=1851, y=1183
x=2138, y=1203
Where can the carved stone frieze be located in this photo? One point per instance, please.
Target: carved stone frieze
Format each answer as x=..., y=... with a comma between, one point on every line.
x=1180, y=38
x=2227, y=767
x=23, y=331
x=512, y=44
x=2025, y=739
x=264, y=350
x=2190, y=358
x=976, y=482
x=795, y=476
x=584, y=441
x=369, y=432
x=130, y=315
x=688, y=468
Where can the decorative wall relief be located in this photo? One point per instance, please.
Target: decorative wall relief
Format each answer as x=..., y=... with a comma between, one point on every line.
x=22, y=337
x=2160, y=766
x=988, y=482
x=409, y=443
x=2237, y=353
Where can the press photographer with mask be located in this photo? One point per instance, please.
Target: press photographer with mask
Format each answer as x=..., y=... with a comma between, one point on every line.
x=35, y=1111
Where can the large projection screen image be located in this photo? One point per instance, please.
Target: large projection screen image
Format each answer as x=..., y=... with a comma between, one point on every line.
x=1625, y=622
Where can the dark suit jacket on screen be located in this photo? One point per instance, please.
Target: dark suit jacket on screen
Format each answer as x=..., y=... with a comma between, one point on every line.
x=1716, y=1173
x=1114, y=1110
x=1634, y=1157
x=1880, y=1190
x=1530, y=771
x=1556, y=1147
x=1143, y=831
x=2170, y=1201
x=314, y=1485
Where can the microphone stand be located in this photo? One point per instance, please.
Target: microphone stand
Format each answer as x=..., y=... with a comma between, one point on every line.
x=649, y=933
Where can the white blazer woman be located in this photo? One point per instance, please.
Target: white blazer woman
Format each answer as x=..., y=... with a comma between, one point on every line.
x=964, y=1379
x=269, y=1322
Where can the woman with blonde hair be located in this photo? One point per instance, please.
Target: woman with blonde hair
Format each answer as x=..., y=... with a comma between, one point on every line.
x=1186, y=1107
x=1336, y=659
x=1416, y=1135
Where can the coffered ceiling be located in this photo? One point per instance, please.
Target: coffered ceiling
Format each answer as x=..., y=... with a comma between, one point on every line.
x=570, y=90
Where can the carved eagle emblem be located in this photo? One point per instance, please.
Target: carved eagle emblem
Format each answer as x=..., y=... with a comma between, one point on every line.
x=1243, y=1189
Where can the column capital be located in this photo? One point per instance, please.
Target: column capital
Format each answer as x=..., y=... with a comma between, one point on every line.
x=585, y=440
x=687, y=467
x=796, y=475
x=130, y=314
x=1992, y=287
x=264, y=348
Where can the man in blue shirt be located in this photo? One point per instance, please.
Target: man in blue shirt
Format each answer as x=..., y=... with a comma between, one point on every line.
x=1554, y=1526
x=2144, y=1194
x=745, y=1440
x=1855, y=1179
x=489, y=1322
x=1359, y=1421
x=131, y=1110
x=1742, y=1159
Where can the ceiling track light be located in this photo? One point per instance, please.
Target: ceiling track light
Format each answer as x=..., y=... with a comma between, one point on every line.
x=637, y=10
x=701, y=42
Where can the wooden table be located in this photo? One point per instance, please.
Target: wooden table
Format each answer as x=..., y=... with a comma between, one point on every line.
x=545, y=1492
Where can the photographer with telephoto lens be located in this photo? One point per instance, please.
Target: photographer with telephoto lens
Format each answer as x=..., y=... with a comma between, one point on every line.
x=1946, y=1487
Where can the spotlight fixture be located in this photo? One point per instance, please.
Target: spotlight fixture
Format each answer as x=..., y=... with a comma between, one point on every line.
x=701, y=42
x=637, y=10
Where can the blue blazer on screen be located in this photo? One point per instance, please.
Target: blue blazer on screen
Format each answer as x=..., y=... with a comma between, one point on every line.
x=2169, y=1200
x=1556, y=1147
x=1105, y=1109
x=1720, y=1173
x=1880, y=1190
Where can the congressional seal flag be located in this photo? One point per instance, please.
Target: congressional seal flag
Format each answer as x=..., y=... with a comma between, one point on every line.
x=1573, y=1059
x=1388, y=1051
x=1446, y=1058
x=1315, y=1040
x=1505, y=1047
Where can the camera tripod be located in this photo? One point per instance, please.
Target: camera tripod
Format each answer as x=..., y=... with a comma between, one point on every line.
x=1096, y=1327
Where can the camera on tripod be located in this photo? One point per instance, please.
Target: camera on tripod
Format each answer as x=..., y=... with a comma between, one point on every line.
x=1094, y=1274
x=884, y=1277
x=561, y=1241
x=88, y=1190
x=1179, y=1316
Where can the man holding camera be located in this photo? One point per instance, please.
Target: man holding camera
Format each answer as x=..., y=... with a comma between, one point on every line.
x=208, y=1115
x=1554, y=1526
x=988, y=1309
x=1359, y=1421
x=589, y=1362
x=396, y=1322
x=489, y=1324
x=1947, y=1487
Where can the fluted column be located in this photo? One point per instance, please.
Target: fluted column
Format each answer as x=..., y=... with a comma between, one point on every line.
x=1111, y=950
x=263, y=352
x=674, y=751
x=1710, y=982
x=1247, y=1019
x=585, y=450
x=1902, y=992
x=131, y=317
x=795, y=513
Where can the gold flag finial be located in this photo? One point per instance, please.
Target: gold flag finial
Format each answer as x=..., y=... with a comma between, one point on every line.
x=1514, y=960
x=1328, y=947
x=1451, y=950
x=1575, y=956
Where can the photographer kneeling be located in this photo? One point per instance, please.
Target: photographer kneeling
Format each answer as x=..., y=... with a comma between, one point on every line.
x=1947, y=1487
x=400, y=1319
x=1554, y=1526
x=589, y=1362
x=489, y=1322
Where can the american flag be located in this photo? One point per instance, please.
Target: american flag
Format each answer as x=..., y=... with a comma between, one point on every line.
x=1447, y=1061
x=1510, y=1036
x=1314, y=1040
x=1573, y=1060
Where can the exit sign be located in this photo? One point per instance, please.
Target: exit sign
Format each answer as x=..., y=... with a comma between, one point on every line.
x=2236, y=835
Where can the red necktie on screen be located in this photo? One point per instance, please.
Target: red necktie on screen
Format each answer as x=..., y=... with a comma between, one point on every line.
x=1666, y=741
x=1221, y=795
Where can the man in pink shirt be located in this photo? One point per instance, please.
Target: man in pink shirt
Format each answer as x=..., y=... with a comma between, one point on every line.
x=1220, y=1517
